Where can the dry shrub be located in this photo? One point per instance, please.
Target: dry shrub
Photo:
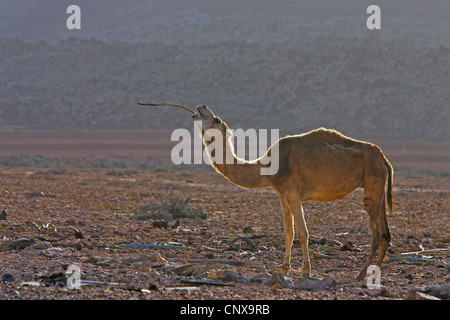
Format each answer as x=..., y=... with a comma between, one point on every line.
x=172, y=207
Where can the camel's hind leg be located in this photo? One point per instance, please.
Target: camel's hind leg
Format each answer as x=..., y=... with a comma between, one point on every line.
x=375, y=206
x=385, y=235
x=373, y=211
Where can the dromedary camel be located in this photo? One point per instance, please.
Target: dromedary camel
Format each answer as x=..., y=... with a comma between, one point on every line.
x=320, y=165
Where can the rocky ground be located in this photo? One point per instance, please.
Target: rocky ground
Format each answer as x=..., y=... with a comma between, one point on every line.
x=130, y=225
x=113, y=226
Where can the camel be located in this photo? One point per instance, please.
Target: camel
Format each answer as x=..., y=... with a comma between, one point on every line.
x=320, y=165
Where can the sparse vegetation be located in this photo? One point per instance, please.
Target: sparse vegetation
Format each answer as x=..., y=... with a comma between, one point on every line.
x=170, y=208
x=37, y=204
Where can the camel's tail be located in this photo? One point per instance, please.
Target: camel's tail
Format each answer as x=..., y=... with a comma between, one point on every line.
x=389, y=197
x=390, y=182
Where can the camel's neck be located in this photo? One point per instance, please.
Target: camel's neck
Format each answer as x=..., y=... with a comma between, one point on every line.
x=244, y=173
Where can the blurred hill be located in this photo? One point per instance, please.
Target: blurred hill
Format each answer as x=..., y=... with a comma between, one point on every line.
x=292, y=65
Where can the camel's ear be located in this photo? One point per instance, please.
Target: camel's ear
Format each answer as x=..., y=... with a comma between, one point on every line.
x=212, y=113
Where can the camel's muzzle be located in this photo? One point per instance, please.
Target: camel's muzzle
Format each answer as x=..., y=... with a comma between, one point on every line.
x=202, y=111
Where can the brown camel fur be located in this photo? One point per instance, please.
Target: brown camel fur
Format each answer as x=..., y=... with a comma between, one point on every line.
x=320, y=165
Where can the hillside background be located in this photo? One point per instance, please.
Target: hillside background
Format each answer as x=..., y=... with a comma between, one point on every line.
x=292, y=65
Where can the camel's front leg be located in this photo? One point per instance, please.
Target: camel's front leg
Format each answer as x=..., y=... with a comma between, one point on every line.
x=288, y=223
x=302, y=231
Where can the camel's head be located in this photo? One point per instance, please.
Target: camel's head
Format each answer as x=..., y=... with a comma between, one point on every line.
x=209, y=120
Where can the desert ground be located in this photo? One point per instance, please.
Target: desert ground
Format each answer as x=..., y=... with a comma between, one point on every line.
x=109, y=221
x=91, y=206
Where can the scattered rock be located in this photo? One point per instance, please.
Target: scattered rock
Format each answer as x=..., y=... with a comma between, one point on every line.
x=153, y=286
x=160, y=224
x=226, y=275
x=79, y=235
x=312, y=284
x=246, y=253
x=8, y=277
x=98, y=260
x=190, y=270
x=142, y=267
x=186, y=289
x=30, y=284
x=444, y=265
x=79, y=245
x=383, y=292
x=209, y=255
x=3, y=215
x=231, y=276
x=356, y=291
x=52, y=253
x=277, y=279
x=41, y=245
x=128, y=260
x=18, y=244
x=424, y=296
x=260, y=277
x=441, y=292
x=143, y=259
x=348, y=246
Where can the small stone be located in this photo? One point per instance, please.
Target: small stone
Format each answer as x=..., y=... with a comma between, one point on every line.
x=229, y=275
x=209, y=255
x=439, y=291
x=383, y=292
x=53, y=252
x=79, y=245
x=190, y=270
x=211, y=275
x=278, y=278
x=152, y=286
x=8, y=277
x=313, y=284
x=160, y=224
x=424, y=296
x=357, y=291
x=18, y=244
x=260, y=277
x=79, y=235
x=41, y=245
x=445, y=265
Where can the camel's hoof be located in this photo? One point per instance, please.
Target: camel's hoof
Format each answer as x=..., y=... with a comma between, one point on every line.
x=306, y=270
x=361, y=276
x=284, y=269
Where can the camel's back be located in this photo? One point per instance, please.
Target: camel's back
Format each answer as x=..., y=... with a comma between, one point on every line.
x=322, y=135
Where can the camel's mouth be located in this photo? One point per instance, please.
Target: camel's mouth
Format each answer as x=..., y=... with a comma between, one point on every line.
x=202, y=111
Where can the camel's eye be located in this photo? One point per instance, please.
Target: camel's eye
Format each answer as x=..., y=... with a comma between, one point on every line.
x=217, y=120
